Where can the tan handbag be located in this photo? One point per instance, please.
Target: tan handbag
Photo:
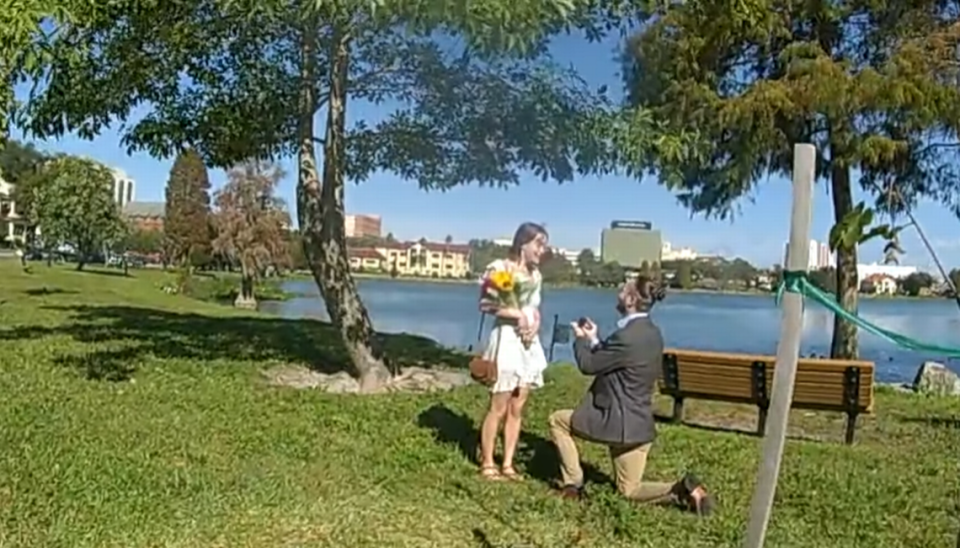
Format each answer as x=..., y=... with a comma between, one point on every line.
x=483, y=370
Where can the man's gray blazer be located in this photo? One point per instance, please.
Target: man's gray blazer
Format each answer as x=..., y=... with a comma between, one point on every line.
x=618, y=408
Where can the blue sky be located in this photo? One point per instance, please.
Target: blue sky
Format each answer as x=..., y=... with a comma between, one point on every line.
x=574, y=213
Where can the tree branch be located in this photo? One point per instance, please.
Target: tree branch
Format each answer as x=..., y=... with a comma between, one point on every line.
x=933, y=146
x=322, y=99
x=372, y=75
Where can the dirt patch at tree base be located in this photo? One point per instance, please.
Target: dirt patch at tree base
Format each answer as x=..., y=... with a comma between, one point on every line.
x=411, y=379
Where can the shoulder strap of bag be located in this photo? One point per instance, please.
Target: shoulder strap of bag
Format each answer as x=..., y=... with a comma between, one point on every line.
x=483, y=317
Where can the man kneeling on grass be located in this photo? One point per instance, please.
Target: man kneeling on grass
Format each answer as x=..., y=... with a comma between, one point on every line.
x=618, y=409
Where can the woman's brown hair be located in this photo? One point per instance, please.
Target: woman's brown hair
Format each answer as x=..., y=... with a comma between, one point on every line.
x=526, y=233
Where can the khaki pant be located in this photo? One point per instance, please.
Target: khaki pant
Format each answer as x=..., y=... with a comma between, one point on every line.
x=629, y=463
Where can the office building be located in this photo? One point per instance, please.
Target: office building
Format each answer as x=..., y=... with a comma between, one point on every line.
x=124, y=188
x=631, y=244
x=819, y=255
x=359, y=226
x=825, y=257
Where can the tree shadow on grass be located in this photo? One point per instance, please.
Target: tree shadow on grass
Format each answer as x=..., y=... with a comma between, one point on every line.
x=44, y=291
x=537, y=455
x=949, y=423
x=104, y=272
x=121, y=336
x=748, y=431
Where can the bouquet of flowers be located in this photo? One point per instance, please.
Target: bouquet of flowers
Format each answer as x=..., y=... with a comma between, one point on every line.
x=501, y=289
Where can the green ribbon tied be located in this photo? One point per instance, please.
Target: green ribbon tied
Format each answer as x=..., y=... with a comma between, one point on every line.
x=798, y=282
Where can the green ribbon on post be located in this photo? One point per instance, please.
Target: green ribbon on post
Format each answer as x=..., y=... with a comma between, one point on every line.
x=799, y=282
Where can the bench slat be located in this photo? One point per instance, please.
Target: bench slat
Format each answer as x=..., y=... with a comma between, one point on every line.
x=806, y=365
x=746, y=359
x=745, y=374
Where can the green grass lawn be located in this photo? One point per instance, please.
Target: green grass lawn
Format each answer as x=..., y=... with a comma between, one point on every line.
x=130, y=418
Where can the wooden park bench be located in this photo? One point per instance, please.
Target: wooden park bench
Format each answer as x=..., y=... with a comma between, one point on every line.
x=821, y=384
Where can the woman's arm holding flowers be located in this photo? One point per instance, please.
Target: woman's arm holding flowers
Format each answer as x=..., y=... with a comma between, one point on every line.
x=490, y=300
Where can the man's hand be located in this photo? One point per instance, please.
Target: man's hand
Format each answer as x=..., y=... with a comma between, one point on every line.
x=586, y=331
x=590, y=330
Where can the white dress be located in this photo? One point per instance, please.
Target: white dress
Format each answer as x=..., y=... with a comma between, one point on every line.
x=517, y=365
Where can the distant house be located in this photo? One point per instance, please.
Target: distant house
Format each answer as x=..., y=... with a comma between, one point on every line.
x=145, y=215
x=880, y=284
x=365, y=258
x=423, y=258
x=13, y=227
x=427, y=259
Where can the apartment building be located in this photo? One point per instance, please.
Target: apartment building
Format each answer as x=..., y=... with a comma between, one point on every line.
x=423, y=259
x=358, y=226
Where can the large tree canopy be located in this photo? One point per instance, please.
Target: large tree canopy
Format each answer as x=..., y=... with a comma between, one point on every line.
x=74, y=205
x=215, y=80
x=466, y=92
x=872, y=84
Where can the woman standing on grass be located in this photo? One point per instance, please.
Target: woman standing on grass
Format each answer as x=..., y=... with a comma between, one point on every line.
x=514, y=345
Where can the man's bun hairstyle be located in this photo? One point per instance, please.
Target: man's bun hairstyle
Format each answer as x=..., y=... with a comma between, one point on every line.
x=650, y=292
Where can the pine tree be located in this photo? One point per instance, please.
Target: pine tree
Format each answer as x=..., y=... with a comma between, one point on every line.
x=187, y=217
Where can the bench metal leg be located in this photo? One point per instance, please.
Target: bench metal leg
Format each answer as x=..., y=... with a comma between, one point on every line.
x=851, y=397
x=761, y=421
x=677, y=409
x=851, y=428
x=758, y=386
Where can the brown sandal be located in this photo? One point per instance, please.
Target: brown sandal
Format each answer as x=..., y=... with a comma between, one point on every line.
x=490, y=473
x=511, y=474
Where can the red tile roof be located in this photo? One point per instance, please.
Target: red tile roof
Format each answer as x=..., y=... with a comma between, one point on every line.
x=364, y=253
x=437, y=247
x=873, y=278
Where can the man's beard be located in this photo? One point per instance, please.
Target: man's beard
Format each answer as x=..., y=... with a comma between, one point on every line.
x=621, y=308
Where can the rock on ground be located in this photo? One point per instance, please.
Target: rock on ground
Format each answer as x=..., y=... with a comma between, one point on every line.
x=411, y=379
x=936, y=379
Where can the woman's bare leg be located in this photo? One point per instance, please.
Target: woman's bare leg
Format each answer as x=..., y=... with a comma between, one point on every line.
x=511, y=426
x=499, y=403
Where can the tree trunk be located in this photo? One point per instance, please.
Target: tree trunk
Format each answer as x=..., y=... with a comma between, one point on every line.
x=845, y=344
x=321, y=213
x=246, y=286
x=245, y=298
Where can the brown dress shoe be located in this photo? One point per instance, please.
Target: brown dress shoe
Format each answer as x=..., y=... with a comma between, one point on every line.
x=693, y=497
x=570, y=492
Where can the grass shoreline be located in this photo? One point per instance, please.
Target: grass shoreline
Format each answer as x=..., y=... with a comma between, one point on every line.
x=194, y=451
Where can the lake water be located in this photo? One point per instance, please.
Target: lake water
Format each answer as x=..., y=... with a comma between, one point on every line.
x=447, y=312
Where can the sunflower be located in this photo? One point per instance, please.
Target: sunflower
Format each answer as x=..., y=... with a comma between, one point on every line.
x=502, y=280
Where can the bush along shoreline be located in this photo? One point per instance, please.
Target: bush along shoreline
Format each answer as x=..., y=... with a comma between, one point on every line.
x=223, y=289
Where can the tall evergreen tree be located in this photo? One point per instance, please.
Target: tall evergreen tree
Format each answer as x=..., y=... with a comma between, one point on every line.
x=872, y=84
x=186, y=224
